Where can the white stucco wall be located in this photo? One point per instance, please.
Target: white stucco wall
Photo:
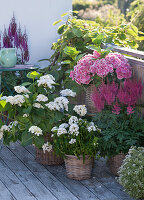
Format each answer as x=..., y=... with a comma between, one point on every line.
x=37, y=16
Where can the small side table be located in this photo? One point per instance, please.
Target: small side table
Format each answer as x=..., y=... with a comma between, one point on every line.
x=15, y=68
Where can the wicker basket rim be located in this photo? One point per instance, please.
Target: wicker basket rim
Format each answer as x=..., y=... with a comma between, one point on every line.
x=72, y=156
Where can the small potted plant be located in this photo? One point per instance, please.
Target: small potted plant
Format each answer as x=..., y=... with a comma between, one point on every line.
x=121, y=124
x=77, y=141
x=131, y=173
x=33, y=111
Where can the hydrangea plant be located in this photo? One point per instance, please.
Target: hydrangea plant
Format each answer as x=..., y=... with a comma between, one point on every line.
x=101, y=64
x=76, y=136
x=34, y=110
x=132, y=173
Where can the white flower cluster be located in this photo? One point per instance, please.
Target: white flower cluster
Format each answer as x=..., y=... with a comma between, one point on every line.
x=131, y=173
x=46, y=81
x=35, y=130
x=61, y=131
x=25, y=115
x=21, y=89
x=47, y=147
x=92, y=127
x=16, y=100
x=5, y=128
x=54, y=129
x=38, y=105
x=60, y=103
x=80, y=110
x=41, y=97
x=74, y=129
x=68, y=93
x=72, y=141
x=64, y=125
x=73, y=120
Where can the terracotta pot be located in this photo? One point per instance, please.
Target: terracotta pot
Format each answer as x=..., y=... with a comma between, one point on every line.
x=115, y=163
x=78, y=170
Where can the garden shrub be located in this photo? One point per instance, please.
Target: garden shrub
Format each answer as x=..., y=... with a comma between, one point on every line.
x=79, y=37
x=136, y=15
x=132, y=173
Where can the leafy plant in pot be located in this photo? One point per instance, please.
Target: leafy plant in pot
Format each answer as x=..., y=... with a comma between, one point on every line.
x=120, y=120
x=77, y=141
x=33, y=112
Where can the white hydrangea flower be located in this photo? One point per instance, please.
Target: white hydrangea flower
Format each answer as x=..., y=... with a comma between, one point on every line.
x=54, y=129
x=91, y=128
x=35, y=130
x=62, y=103
x=21, y=89
x=68, y=93
x=26, y=95
x=61, y=131
x=73, y=120
x=64, y=125
x=91, y=124
x=46, y=81
x=80, y=110
x=16, y=100
x=47, y=147
x=74, y=129
x=25, y=115
x=38, y=105
x=51, y=105
x=41, y=97
x=11, y=124
x=4, y=128
x=72, y=141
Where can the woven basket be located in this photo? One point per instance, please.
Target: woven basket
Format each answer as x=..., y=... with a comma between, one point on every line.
x=48, y=158
x=89, y=103
x=115, y=163
x=76, y=169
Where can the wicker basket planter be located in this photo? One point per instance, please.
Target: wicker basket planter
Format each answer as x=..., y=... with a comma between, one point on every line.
x=76, y=169
x=89, y=103
x=115, y=163
x=48, y=158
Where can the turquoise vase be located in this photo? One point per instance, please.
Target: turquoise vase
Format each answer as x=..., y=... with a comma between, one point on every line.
x=8, y=57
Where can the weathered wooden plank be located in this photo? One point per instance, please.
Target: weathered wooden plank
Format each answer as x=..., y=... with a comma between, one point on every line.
x=135, y=61
x=54, y=185
x=125, y=50
x=101, y=170
x=5, y=194
x=24, y=174
x=75, y=187
x=102, y=175
x=14, y=185
x=99, y=190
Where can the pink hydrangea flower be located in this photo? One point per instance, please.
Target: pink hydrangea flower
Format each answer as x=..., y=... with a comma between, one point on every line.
x=101, y=68
x=124, y=72
x=96, y=54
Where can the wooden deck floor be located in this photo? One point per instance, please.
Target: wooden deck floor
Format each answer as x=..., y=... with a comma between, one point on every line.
x=22, y=178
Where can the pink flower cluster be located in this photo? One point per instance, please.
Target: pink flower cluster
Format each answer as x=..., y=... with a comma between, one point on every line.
x=109, y=94
x=91, y=65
